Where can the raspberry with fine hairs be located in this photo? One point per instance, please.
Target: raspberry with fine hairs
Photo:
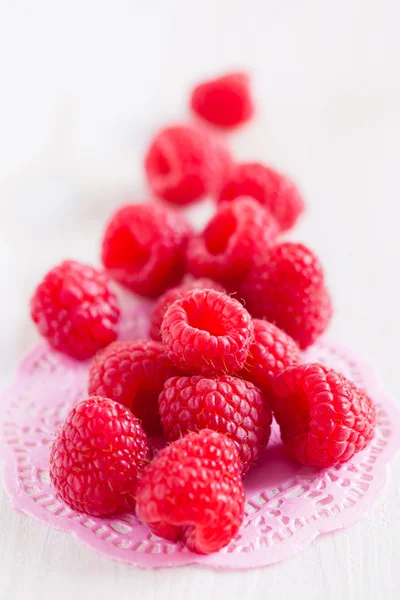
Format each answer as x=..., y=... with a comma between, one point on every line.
x=324, y=418
x=175, y=293
x=272, y=352
x=192, y=491
x=225, y=404
x=98, y=456
x=207, y=332
x=133, y=373
x=75, y=309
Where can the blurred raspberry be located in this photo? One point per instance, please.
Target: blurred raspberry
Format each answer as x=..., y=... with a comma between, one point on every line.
x=184, y=163
x=225, y=101
x=237, y=236
x=288, y=289
x=144, y=248
x=272, y=189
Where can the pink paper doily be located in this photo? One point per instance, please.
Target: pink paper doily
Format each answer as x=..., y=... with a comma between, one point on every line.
x=287, y=505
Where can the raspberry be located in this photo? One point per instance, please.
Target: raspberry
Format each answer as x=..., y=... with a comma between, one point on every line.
x=169, y=298
x=272, y=189
x=226, y=404
x=207, y=332
x=271, y=353
x=225, y=101
x=98, y=456
x=144, y=248
x=324, y=418
x=238, y=235
x=75, y=310
x=133, y=373
x=184, y=163
x=289, y=291
x=192, y=491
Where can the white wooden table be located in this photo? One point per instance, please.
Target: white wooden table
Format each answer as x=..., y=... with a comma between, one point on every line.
x=83, y=84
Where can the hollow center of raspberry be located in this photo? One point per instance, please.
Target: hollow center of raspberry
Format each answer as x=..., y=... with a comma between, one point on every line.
x=206, y=320
x=126, y=253
x=219, y=231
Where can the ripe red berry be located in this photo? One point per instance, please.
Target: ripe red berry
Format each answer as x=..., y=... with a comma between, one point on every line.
x=225, y=101
x=274, y=191
x=144, y=248
x=272, y=352
x=207, y=332
x=133, y=373
x=192, y=491
x=169, y=298
x=225, y=404
x=288, y=290
x=237, y=236
x=185, y=163
x=324, y=418
x=75, y=309
x=98, y=456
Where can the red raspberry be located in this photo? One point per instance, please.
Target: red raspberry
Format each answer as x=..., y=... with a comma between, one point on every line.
x=226, y=404
x=207, y=332
x=133, y=373
x=272, y=352
x=225, y=101
x=144, y=248
x=238, y=235
x=324, y=418
x=169, y=298
x=289, y=291
x=272, y=189
x=184, y=163
x=192, y=491
x=75, y=310
x=98, y=456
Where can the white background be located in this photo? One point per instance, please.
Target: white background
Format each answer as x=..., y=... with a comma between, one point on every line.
x=83, y=84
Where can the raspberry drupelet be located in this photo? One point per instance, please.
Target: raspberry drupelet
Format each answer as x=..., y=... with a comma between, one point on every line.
x=207, y=332
x=192, y=491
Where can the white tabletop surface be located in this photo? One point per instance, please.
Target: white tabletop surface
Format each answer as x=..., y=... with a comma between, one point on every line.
x=82, y=86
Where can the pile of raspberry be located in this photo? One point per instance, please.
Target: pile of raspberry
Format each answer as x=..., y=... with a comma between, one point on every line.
x=234, y=305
